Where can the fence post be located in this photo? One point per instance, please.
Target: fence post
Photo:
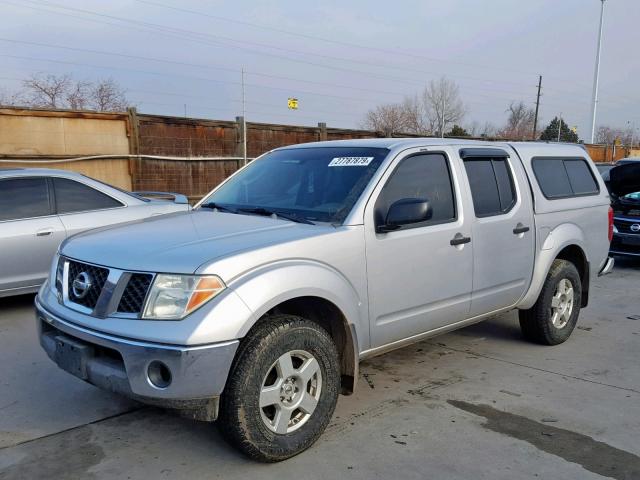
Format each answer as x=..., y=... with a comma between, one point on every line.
x=134, y=131
x=239, y=150
x=134, y=145
x=322, y=130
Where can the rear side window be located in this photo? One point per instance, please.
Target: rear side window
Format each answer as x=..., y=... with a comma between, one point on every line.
x=564, y=177
x=491, y=185
x=420, y=176
x=24, y=198
x=72, y=196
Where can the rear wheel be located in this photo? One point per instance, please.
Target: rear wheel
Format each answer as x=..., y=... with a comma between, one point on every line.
x=555, y=314
x=282, y=389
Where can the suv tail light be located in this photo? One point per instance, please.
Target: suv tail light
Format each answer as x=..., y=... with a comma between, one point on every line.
x=610, y=224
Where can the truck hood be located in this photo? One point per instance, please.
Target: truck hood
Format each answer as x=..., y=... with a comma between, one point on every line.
x=182, y=242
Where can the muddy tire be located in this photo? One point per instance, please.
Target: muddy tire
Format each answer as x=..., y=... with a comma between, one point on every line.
x=553, y=317
x=282, y=389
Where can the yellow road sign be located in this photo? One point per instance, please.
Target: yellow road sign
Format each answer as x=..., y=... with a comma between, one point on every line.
x=292, y=103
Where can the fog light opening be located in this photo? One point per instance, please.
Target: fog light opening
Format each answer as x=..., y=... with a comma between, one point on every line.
x=159, y=374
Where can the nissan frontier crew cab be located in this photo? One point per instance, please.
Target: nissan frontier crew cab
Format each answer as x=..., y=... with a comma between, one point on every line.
x=256, y=307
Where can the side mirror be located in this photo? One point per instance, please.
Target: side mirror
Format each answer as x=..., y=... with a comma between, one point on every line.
x=405, y=212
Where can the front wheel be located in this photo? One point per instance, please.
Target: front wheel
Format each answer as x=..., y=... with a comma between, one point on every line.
x=282, y=389
x=555, y=314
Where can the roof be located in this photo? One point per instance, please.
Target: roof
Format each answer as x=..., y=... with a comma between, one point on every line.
x=28, y=172
x=391, y=143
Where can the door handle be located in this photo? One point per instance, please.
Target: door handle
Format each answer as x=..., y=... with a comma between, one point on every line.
x=44, y=232
x=520, y=228
x=459, y=239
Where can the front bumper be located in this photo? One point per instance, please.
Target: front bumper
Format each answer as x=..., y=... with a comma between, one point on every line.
x=194, y=377
x=625, y=244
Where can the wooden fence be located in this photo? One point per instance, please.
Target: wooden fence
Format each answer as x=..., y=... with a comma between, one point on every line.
x=152, y=152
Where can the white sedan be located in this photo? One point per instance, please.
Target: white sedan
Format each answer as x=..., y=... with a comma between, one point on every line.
x=40, y=208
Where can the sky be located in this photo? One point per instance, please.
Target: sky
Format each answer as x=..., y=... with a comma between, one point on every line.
x=339, y=59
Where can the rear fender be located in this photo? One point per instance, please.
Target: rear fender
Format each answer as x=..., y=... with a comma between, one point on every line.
x=557, y=239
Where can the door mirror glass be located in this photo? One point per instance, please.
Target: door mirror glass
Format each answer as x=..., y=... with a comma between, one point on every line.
x=404, y=212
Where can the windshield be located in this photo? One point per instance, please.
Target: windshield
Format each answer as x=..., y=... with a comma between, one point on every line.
x=317, y=184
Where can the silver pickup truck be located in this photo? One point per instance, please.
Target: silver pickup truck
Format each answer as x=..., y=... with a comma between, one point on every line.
x=256, y=307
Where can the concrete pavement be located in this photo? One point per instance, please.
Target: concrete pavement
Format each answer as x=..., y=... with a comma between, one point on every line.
x=474, y=404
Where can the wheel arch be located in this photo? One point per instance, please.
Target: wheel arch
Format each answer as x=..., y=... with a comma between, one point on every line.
x=565, y=242
x=331, y=301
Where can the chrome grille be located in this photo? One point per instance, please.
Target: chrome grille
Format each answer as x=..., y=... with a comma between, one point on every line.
x=132, y=300
x=96, y=276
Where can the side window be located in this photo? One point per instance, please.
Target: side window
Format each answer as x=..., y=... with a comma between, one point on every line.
x=74, y=196
x=491, y=185
x=420, y=176
x=24, y=198
x=564, y=177
x=580, y=177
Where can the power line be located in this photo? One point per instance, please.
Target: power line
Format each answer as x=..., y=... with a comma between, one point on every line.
x=163, y=29
x=330, y=40
x=200, y=39
x=509, y=95
x=175, y=62
x=228, y=82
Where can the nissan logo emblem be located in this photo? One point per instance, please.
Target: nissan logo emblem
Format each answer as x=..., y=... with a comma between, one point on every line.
x=81, y=285
x=635, y=227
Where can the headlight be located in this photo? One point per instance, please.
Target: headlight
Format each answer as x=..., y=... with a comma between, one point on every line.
x=173, y=297
x=56, y=275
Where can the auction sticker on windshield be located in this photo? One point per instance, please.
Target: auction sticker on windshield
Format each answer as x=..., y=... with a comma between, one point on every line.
x=350, y=161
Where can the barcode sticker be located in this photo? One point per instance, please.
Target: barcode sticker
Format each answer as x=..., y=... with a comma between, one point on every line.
x=350, y=161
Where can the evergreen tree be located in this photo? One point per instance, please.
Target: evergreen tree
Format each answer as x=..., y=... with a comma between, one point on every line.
x=457, y=131
x=566, y=134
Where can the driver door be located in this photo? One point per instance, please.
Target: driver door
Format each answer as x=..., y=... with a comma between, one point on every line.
x=417, y=279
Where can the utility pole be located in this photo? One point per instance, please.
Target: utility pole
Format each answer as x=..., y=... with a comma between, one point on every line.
x=244, y=124
x=185, y=117
x=596, y=77
x=444, y=106
x=535, y=118
x=559, y=126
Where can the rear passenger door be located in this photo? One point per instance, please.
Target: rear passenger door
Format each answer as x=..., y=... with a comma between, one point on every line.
x=502, y=231
x=418, y=280
x=30, y=232
x=82, y=207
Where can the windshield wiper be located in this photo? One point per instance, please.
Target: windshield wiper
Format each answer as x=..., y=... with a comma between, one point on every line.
x=286, y=216
x=217, y=206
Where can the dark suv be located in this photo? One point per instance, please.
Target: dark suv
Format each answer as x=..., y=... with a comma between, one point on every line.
x=626, y=209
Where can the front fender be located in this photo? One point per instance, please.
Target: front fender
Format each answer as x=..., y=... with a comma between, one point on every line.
x=556, y=240
x=269, y=285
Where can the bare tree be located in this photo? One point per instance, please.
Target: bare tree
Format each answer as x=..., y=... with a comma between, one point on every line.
x=414, y=117
x=108, y=96
x=388, y=119
x=520, y=122
x=62, y=91
x=442, y=105
x=78, y=95
x=11, y=99
x=47, y=91
x=608, y=135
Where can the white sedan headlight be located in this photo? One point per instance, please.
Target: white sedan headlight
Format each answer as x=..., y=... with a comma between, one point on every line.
x=173, y=297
